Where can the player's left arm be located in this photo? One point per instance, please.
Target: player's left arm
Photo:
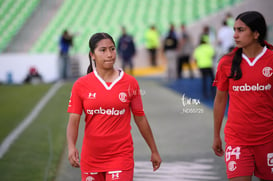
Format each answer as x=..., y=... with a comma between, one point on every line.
x=146, y=132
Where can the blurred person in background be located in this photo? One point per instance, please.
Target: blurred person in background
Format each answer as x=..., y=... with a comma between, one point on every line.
x=126, y=50
x=152, y=43
x=107, y=96
x=208, y=35
x=225, y=38
x=229, y=19
x=33, y=76
x=184, y=52
x=244, y=79
x=203, y=55
x=65, y=43
x=170, y=43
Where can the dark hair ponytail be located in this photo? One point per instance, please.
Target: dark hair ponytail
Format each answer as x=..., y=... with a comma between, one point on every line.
x=95, y=38
x=236, y=72
x=90, y=67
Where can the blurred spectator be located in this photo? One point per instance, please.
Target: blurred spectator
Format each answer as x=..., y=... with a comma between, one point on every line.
x=33, y=76
x=152, y=43
x=184, y=51
x=9, y=78
x=126, y=49
x=66, y=41
x=225, y=38
x=170, y=47
x=208, y=35
x=203, y=55
x=229, y=19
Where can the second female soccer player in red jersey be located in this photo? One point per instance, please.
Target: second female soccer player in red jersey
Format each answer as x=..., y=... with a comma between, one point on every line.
x=246, y=76
x=107, y=96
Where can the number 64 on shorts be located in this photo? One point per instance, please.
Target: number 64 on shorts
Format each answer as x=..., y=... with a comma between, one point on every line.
x=232, y=152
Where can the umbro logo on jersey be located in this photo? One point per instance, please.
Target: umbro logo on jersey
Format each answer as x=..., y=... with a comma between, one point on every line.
x=267, y=71
x=92, y=95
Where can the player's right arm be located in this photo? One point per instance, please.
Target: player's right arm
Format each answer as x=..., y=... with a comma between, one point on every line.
x=72, y=135
x=218, y=114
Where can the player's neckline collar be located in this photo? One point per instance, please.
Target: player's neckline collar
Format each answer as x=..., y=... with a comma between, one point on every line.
x=252, y=63
x=113, y=83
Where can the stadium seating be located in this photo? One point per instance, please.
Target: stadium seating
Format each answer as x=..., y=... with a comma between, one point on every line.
x=13, y=15
x=87, y=17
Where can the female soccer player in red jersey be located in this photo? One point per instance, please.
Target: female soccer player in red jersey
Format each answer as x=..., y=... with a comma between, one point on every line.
x=107, y=96
x=246, y=76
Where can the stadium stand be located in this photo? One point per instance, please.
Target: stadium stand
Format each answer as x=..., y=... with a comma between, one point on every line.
x=40, y=32
x=87, y=17
x=13, y=15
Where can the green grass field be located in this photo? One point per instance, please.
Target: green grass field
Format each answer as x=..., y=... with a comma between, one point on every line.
x=35, y=155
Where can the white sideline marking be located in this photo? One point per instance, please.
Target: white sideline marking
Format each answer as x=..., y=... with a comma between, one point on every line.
x=26, y=122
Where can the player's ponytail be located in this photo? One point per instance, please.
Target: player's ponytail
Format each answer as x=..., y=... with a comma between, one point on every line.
x=95, y=38
x=268, y=45
x=90, y=67
x=236, y=72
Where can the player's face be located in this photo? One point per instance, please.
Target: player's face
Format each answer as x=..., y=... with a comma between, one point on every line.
x=104, y=54
x=243, y=36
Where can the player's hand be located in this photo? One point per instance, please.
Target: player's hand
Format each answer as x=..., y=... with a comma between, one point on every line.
x=217, y=147
x=156, y=160
x=73, y=157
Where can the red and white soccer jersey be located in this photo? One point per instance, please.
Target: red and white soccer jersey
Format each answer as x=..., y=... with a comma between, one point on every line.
x=250, y=114
x=107, y=143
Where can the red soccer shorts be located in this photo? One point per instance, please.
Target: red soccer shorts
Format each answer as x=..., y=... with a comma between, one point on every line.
x=246, y=160
x=124, y=175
